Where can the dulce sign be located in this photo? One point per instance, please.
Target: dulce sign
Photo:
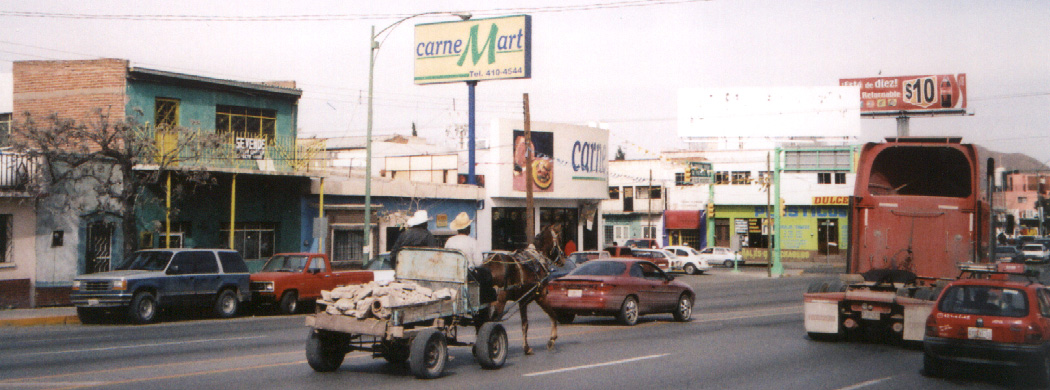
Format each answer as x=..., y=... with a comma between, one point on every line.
x=472, y=50
x=929, y=93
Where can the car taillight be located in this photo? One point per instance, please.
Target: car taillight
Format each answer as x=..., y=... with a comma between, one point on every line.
x=931, y=326
x=1034, y=334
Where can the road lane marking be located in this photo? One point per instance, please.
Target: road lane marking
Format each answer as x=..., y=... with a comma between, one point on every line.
x=50, y=384
x=866, y=383
x=140, y=345
x=5, y=382
x=615, y=362
x=154, y=378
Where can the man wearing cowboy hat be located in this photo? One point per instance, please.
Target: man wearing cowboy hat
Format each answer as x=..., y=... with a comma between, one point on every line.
x=416, y=235
x=463, y=242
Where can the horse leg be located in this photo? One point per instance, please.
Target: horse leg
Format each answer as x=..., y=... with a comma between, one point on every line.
x=523, y=307
x=498, y=306
x=542, y=301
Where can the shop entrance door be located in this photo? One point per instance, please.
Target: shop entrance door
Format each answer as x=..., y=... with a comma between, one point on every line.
x=828, y=236
x=722, y=232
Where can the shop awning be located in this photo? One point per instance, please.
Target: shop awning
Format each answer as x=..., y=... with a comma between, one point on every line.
x=682, y=219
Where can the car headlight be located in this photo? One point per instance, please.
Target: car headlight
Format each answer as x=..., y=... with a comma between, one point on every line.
x=119, y=284
x=76, y=285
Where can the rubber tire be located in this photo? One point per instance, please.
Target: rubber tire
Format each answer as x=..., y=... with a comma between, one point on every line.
x=226, y=304
x=728, y=263
x=428, y=354
x=689, y=269
x=684, y=309
x=628, y=311
x=324, y=352
x=89, y=315
x=1041, y=374
x=813, y=287
x=289, y=302
x=932, y=366
x=565, y=318
x=395, y=353
x=143, y=309
x=490, y=349
x=824, y=336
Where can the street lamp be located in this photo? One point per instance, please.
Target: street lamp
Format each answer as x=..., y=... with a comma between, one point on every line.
x=373, y=52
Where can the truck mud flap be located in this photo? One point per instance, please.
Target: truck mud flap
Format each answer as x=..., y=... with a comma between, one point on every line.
x=821, y=316
x=915, y=314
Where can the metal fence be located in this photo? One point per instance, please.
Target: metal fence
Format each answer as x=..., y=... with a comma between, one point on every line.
x=17, y=171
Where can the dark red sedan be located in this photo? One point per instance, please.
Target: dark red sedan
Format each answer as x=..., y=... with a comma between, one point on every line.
x=625, y=288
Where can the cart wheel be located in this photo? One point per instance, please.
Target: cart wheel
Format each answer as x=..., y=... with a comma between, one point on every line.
x=324, y=351
x=428, y=355
x=491, y=346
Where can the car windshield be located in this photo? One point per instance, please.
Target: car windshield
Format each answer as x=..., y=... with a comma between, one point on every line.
x=285, y=263
x=147, y=261
x=600, y=268
x=985, y=300
x=1035, y=248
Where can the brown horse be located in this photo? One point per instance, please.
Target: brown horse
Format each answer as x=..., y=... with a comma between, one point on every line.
x=522, y=277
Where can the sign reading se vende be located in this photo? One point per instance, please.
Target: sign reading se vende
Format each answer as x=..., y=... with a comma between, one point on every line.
x=473, y=50
x=929, y=93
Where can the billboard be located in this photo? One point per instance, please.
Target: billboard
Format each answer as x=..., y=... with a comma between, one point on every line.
x=570, y=161
x=922, y=94
x=473, y=50
x=768, y=112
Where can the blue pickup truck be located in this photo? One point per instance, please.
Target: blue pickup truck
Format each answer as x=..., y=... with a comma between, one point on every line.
x=155, y=278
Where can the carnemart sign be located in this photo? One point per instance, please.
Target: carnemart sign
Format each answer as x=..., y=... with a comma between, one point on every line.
x=473, y=50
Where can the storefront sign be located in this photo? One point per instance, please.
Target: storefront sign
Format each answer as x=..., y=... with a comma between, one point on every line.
x=808, y=211
x=700, y=172
x=472, y=50
x=569, y=161
x=830, y=200
x=926, y=93
x=740, y=225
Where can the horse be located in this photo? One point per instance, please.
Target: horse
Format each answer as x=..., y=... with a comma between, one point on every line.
x=523, y=278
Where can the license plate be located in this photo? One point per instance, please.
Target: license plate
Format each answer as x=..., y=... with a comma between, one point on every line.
x=92, y=302
x=575, y=293
x=979, y=333
x=869, y=315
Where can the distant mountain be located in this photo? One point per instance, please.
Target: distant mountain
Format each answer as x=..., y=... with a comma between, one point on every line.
x=1008, y=161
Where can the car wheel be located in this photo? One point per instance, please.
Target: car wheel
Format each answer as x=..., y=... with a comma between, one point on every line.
x=143, y=309
x=932, y=366
x=491, y=346
x=684, y=310
x=689, y=269
x=428, y=354
x=89, y=315
x=226, y=305
x=565, y=318
x=324, y=352
x=629, y=311
x=728, y=264
x=1041, y=373
x=289, y=302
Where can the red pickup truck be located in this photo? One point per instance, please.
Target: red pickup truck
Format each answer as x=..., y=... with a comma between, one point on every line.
x=289, y=278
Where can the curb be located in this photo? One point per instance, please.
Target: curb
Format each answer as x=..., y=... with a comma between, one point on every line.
x=36, y=321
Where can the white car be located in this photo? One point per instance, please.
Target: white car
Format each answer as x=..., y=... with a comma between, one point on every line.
x=1035, y=252
x=721, y=255
x=688, y=260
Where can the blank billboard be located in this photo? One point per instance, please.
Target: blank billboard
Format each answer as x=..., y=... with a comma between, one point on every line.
x=769, y=112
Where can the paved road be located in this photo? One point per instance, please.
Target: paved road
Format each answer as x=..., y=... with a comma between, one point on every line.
x=746, y=333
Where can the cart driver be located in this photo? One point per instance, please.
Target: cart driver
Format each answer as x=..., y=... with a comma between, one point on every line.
x=416, y=235
x=469, y=246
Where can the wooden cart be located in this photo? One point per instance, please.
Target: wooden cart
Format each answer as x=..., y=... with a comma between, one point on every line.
x=419, y=334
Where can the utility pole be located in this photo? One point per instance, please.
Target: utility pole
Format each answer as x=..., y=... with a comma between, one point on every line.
x=769, y=217
x=530, y=211
x=649, y=215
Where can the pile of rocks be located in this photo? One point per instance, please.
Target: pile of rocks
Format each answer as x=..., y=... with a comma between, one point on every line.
x=378, y=300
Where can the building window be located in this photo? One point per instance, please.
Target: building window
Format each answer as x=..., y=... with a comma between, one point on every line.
x=246, y=122
x=253, y=240
x=646, y=192
x=765, y=177
x=5, y=238
x=1022, y=199
x=648, y=231
x=679, y=179
x=817, y=160
x=348, y=244
x=642, y=192
x=840, y=177
x=824, y=178
x=742, y=177
x=166, y=113
x=722, y=177
x=614, y=192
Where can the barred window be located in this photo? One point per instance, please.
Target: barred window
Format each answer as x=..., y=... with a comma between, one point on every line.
x=245, y=121
x=742, y=177
x=166, y=113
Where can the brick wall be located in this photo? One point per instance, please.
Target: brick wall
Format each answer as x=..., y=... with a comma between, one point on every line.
x=72, y=89
x=14, y=293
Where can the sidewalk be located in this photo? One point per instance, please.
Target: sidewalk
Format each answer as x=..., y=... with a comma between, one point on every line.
x=65, y=315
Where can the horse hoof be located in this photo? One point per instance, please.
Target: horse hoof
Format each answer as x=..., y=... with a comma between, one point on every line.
x=550, y=344
x=529, y=351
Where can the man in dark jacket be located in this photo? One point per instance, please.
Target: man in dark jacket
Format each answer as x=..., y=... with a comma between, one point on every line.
x=416, y=235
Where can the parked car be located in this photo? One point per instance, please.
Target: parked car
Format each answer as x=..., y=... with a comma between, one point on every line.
x=618, y=251
x=625, y=288
x=642, y=243
x=155, y=278
x=1008, y=254
x=290, y=278
x=687, y=260
x=662, y=258
x=720, y=255
x=580, y=257
x=995, y=322
x=1035, y=253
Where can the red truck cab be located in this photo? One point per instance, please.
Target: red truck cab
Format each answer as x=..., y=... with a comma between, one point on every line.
x=290, y=278
x=991, y=320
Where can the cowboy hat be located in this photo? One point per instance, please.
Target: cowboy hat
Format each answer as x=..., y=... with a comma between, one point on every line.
x=462, y=221
x=419, y=218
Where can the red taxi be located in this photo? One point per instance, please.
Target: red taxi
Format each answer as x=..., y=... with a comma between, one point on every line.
x=993, y=319
x=625, y=288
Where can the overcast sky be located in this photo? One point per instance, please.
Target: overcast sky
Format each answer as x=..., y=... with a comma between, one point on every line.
x=619, y=62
